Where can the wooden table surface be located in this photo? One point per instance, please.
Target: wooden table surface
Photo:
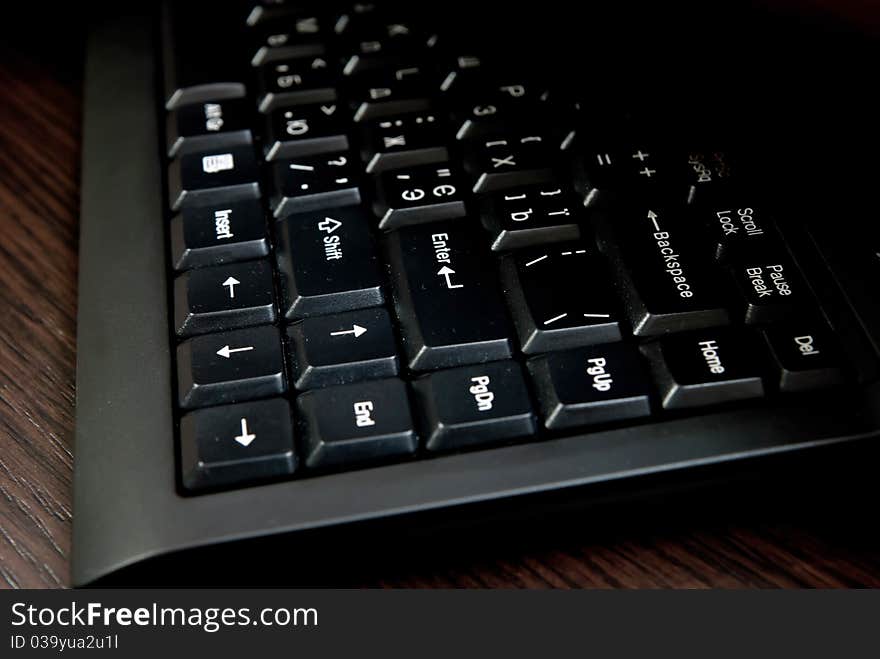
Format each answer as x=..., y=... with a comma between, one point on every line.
x=40, y=117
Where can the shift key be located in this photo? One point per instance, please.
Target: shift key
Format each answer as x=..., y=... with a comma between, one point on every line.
x=447, y=296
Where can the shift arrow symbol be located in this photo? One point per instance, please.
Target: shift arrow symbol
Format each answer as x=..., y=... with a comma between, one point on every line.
x=357, y=330
x=446, y=271
x=225, y=351
x=231, y=282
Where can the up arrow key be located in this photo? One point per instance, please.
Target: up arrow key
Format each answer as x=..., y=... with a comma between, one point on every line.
x=446, y=272
x=231, y=282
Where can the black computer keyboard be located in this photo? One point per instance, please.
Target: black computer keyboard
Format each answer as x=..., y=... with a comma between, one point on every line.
x=405, y=271
x=385, y=246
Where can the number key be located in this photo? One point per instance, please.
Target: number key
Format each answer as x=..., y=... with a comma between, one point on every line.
x=305, y=130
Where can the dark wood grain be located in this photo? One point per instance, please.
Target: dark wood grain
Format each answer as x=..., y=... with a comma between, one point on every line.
x=39, y=172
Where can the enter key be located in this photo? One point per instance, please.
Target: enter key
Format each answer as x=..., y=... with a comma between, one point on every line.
x=447, y=296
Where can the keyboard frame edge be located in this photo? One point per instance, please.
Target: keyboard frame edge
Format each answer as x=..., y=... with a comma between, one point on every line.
x=126, y=506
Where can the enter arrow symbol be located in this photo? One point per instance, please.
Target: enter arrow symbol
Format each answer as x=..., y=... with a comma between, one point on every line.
x=225, y=351
x=446, y=271
x=231, y=282
x=357, y=330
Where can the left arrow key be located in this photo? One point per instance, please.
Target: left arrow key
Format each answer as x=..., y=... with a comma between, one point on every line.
x=224, y=297
x=230, y=367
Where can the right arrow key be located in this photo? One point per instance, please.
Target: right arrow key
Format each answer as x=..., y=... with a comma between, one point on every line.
x=342, y=348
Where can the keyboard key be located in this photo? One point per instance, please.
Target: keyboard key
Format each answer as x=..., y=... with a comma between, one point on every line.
x=306, y=77
x=447, y=297
x=208, y=125
x=305, y=130
x=356, y=423
x=668, y=287
x=403, y=89
x=483, y=110
x=710, y=174
x=591, y=385
x=213, y=176
x=805, y=354
x=223, y=297
x=230, y=367
x=196, y=69
x=275, y=45
x=218, y=233
x=236, y=444
x=342, y=348
x=736, y=230
x=771, y=286
x=314, y=182
x=415, y=195
x=706, y=368
x=404, y=140
x=604, y=175
x=531, y=216
x=463, y=71
x=561, y=297
x=474, y=405
x=296, y=14
x=505, y=162
x=327, y=262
